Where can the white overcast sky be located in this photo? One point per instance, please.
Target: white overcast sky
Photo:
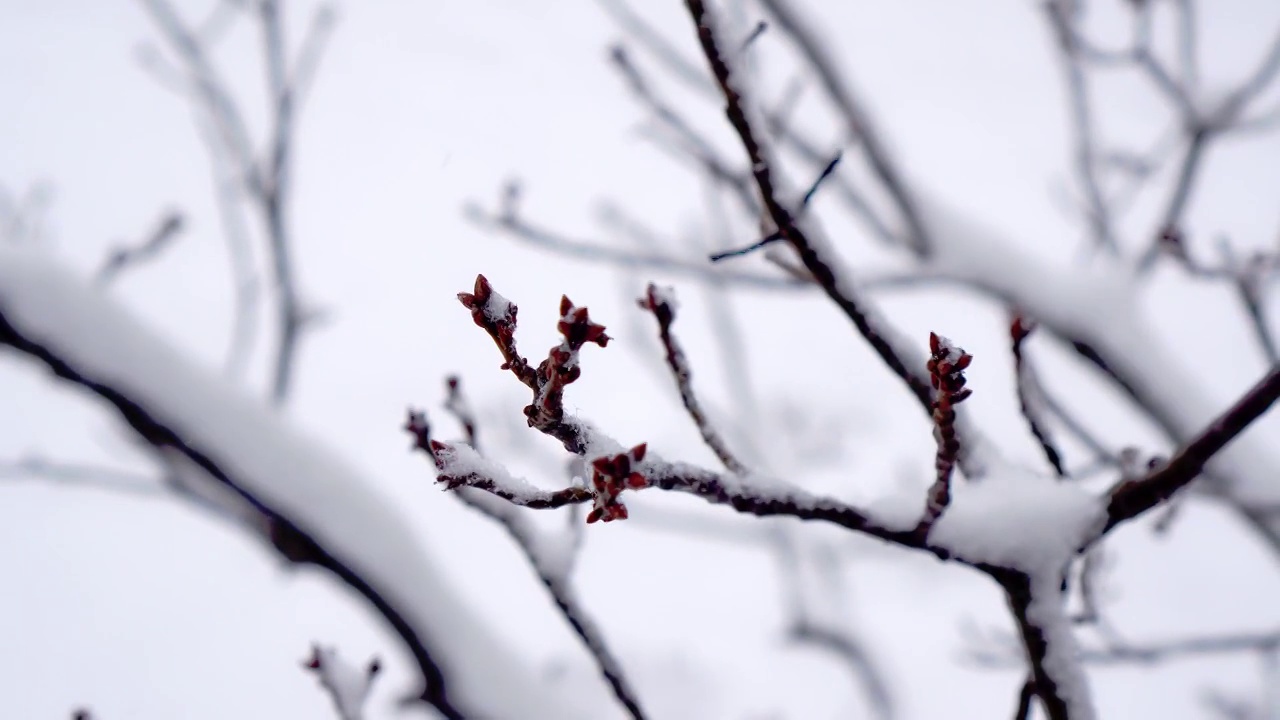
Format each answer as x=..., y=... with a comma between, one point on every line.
x=143, y=608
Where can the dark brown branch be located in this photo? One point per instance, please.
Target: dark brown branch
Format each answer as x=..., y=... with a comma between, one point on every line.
x=1029, y=393
x=707, y=485
x=776, y=236
x=1131, y=498
x=1018, y=589
x=1026, y=694
x=661, y=305
x=782, y=217
x=857, y=121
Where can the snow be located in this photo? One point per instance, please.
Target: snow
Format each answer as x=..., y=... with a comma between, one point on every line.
x=283, y=469
x=462, y=460
x=1026, y=521
x=1018, y=519
x=1061, y=661
x=498, y=309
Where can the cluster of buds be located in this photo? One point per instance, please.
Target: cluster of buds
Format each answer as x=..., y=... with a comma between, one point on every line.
x=947, y=363
x=497, y=315
x=561, y=366
x=610, y=475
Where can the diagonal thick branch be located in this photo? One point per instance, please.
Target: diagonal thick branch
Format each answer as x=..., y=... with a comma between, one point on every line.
x=762, y=170
x=294, y=543
x=1131, y=498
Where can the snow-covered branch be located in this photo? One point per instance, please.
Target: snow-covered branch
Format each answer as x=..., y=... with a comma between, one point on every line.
x=321, y=511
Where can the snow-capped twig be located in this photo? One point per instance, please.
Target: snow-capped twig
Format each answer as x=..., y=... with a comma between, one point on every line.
x=551, y=558
x=662, y=305
x=497, y=316
x=743, y=495
x=1057, y=676
x=777, y=235
x=319, y=509
x=784, y=220
x=347, y=685
x=260, y=180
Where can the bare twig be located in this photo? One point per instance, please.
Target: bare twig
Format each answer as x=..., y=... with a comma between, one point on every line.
x=525, y=231
x=457, y=404
x=777, y=235
x=661, y=303
x=1030, y=395
x=262, y=180
x=782, y=216
x=125, y=257
x=1026, y=694
x=858, y=122
x=1120, y=652
x=111, y=479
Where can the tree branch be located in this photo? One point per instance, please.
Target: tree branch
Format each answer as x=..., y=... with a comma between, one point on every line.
x=1131, y=498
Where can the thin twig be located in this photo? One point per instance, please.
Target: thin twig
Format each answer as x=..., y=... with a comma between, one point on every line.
x=1026, y=694
x=662, y=305
x=1029, y=394
x=126, y=257
x=783, y=219
x=776, y=236
x=858, y=122
x=523, y=230
x=1099, y=213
